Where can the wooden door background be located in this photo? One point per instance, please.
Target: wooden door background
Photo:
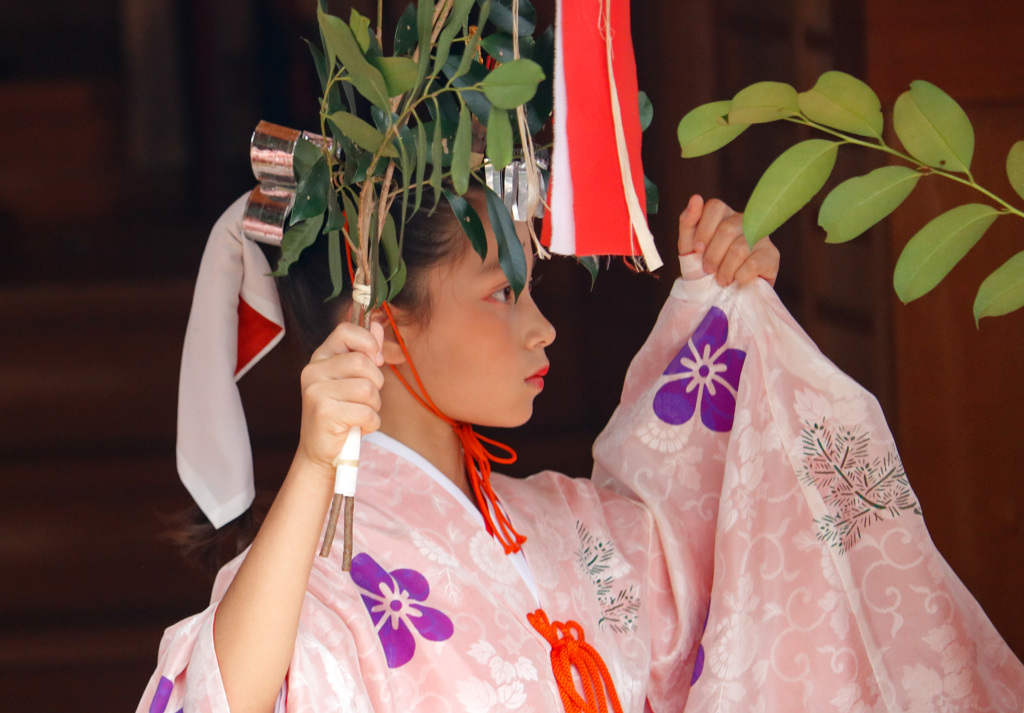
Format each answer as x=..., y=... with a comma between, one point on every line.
x=123, y=131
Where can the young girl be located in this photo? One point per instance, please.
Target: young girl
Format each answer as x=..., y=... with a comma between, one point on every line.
x=477, y=592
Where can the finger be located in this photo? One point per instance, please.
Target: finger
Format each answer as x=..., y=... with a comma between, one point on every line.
x=335, y=394
x=735, y=256
x=347, y=337
x=688, y=220
x=763, y=262
x=715, y=213
x=332, y=421
x=377, y=330
x=726, y=232
x=350, y=365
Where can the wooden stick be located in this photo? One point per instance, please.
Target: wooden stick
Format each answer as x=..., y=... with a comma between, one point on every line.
x=332, y=525
x=346, y=555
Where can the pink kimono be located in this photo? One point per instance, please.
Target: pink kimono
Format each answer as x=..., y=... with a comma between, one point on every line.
x=748, y=542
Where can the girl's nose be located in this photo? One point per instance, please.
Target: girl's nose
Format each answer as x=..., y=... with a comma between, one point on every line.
x=540, y=332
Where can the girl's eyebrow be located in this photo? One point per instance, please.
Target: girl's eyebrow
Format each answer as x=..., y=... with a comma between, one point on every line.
x=491, y=267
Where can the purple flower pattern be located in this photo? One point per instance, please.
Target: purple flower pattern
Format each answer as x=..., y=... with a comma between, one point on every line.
x=393, y=601
x=710, y=377
x=698, y=665
x=162, y=695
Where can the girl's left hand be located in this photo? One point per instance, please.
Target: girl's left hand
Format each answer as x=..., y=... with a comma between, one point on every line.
x=716, y=231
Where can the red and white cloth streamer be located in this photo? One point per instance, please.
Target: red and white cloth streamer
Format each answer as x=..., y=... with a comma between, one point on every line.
x=597, y=193
x=235, y=320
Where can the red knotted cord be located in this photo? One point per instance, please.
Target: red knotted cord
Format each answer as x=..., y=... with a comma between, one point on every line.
x=478, y=458
x=569, y=649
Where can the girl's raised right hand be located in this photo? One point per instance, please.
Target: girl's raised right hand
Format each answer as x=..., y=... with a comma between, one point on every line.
x=340, y=389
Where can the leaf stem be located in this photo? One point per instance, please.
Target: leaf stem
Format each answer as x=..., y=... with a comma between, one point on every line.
x=882, y=146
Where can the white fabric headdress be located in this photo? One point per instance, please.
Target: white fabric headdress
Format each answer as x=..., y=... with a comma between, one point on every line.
x=235, y=320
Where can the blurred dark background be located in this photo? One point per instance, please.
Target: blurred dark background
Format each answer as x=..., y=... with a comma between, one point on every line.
x=124, y=128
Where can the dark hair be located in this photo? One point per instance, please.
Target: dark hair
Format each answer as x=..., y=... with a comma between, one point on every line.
x=432, y=237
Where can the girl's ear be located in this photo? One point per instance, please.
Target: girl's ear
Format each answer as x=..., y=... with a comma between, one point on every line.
x=391, y=349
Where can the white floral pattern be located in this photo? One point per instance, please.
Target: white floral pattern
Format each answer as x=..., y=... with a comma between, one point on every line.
x=489, y=557
x=505, y=690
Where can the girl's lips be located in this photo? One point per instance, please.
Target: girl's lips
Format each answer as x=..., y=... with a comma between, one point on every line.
x=537, y=380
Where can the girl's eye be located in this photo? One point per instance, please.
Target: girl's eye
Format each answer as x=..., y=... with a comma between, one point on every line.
x=503, y=295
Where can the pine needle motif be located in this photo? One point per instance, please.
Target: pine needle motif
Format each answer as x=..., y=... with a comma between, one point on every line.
x=595, y=556
x=857, y=491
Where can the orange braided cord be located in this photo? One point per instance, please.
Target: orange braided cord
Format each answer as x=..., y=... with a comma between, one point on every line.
x=569, y=649
x=478, y=457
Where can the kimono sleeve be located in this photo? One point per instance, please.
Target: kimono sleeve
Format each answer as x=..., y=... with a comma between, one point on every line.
x=788, y=524
x=322, y=675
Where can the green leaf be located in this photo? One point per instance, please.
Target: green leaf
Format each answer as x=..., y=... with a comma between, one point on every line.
x=447, y=105
x=443, y=47
x=845, y=103
x=469, y=54
x=296, y=239
x=335, y=263
x=421, y=164
x=447, y=141
x=763, y=102
x=938, y=247
x=1002, y=291
x=406, y=36
x=499, y=138
x=341, y=44
x=397, y=281
x=593, y=265
x=378, y=288
x=653, y=197
x=470, y=222
x=501, y=16
x=1015, y=167
x=306, y=154
x=399, y=73
x=362, y=133
x=351, y=219
x=335, y=216
x=424, y=26
x=320, y=62
x=510, y=251
x=509, y=85
x=499, y=46
x=311, y=192
x=455, y=24
x=538, y=110
x=703, y=130
x=461, y=151
x=360, y=29
x=646, y=110
x=334, y=102
x=788, y=184
x=933, y=128
x=858, y=203
x=437, y=159
x=389, y=242
x=474, y=75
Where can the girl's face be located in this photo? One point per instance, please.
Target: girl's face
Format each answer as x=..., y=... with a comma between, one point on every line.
x=481, y=353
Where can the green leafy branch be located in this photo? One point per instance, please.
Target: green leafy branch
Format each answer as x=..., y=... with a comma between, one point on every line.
x=402, y=123
x=938, y=140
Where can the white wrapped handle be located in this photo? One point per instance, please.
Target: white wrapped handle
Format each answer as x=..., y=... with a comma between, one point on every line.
x=347, y=464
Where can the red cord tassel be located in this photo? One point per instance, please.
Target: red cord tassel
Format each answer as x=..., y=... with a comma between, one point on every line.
x=569, y=649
